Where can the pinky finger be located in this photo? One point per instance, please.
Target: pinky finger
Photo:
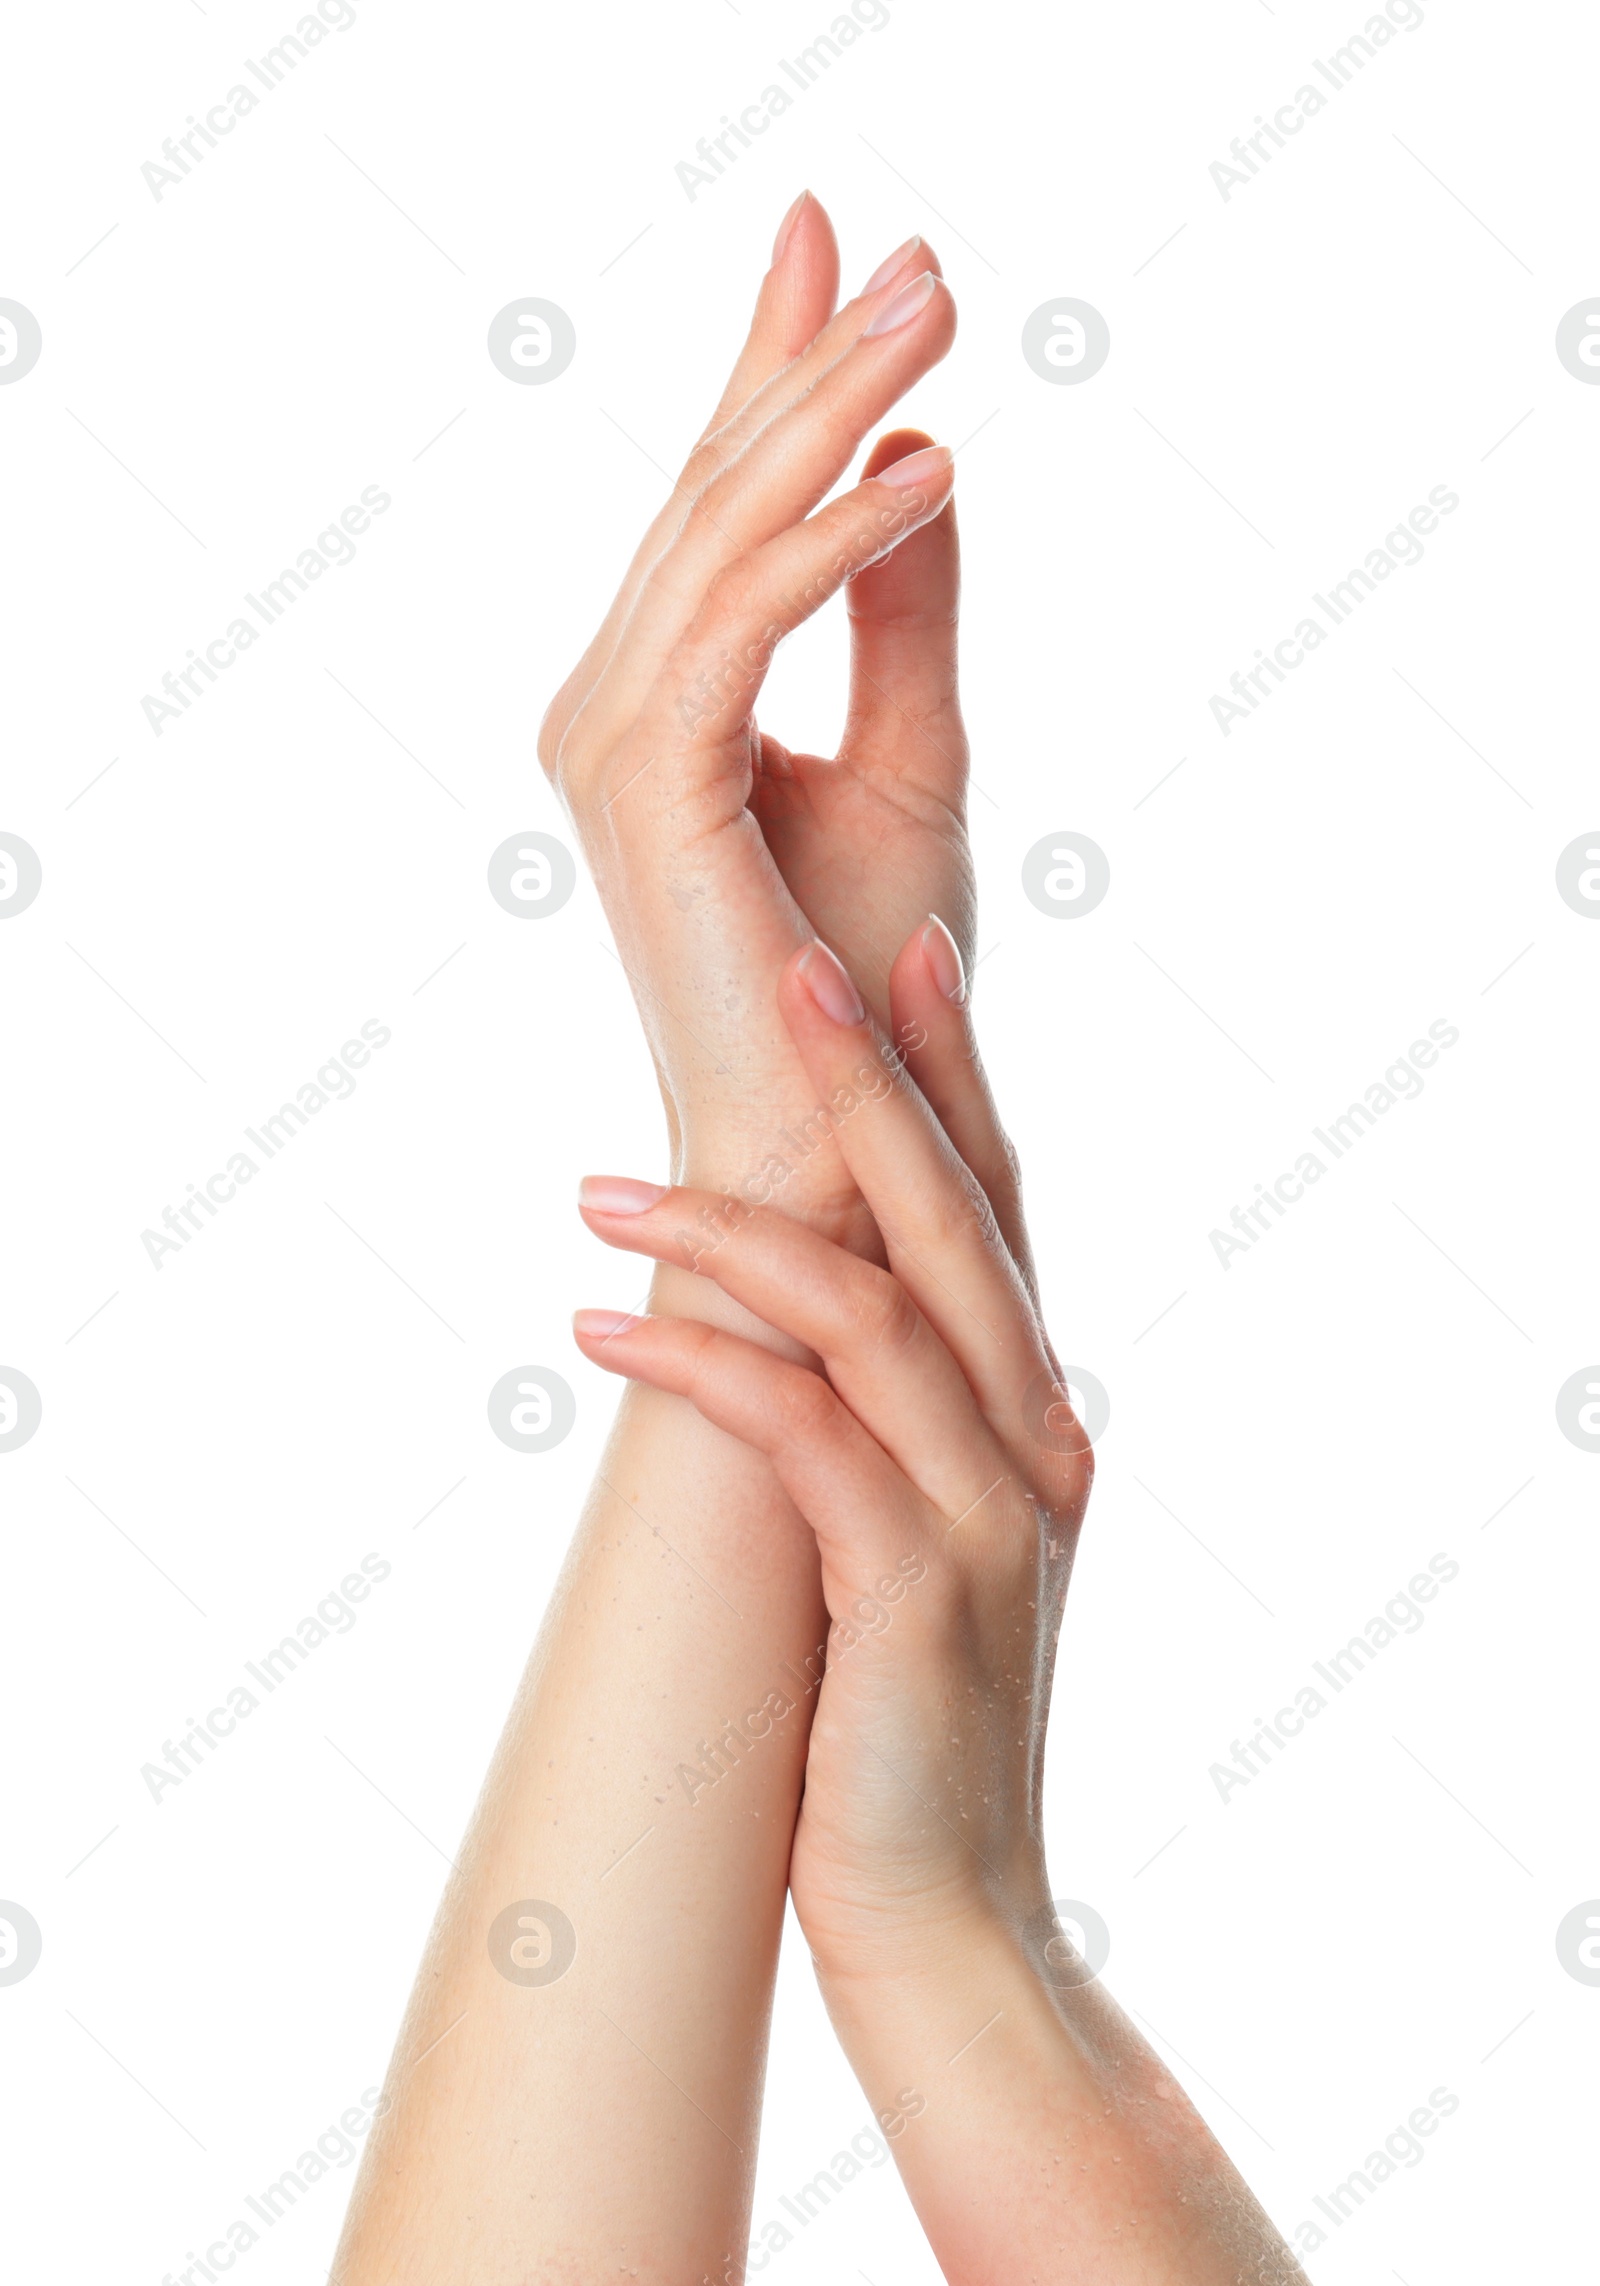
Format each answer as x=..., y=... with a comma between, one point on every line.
x=841, y=1480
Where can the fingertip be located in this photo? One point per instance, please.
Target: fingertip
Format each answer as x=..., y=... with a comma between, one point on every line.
x=802, y=282
x=925, y=469
x=793, y=999
x=593, y=1328
x=915, y=258
x=942, y=957
x=904, y=305
x=786, y=228
x=892, y=446
x=618, y=1195
x=820, y=984
x=929, y=998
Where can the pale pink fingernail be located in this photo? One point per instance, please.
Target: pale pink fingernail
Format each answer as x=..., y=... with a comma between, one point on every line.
x=943, y=956
x=896, y=262
x=601, y=1325
x=824, y=977
x=619, y=1194
x=917, y=467
x=904, y=307
x=787, y=225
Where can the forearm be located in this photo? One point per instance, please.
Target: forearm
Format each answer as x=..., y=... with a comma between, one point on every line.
x=1049, y=2146
x=608, y=2118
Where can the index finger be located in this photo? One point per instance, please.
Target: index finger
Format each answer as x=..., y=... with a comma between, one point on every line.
x=795, y=302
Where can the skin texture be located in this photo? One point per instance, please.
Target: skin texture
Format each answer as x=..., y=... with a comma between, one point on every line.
x=935, y=1455
x=607, y=2122
x=717, y=850
x=833, y=1527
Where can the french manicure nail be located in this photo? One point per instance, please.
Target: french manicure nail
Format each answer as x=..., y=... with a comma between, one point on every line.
x=917, y=467
x=824, y=978
x=943, y=956
x=619, y=1194
x=904, y=307
x=787, y=225
x=896, y=262
x=601, y=1325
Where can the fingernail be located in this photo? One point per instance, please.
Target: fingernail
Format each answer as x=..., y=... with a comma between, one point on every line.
x=943, y=956
x=619, y=1194
x=824, y=978
x=917, y=467
x=787, y=225
x=897, y=261
x=904, y=307
x=600, y=1325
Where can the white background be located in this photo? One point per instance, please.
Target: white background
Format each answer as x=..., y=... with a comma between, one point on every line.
x=1373, y=1383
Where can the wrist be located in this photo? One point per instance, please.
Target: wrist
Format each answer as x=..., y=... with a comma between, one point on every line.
x=905, y=2022
x=916, y=1953
x=775, y=1170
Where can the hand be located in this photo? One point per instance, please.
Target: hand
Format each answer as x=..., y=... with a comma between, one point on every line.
x=935, y=1456
x=652, y=740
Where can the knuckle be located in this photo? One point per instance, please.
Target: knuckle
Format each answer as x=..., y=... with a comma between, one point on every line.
x=1065, y=1483
x=553, y=731
x=703, y=466
x=559, y=747
x=727, y=595
x=806, y=1411
x=882, y=1316
x=1077, y=1476
x=571, y=784
x=723, y=1217
x=674, y=583
x=962, y=1212
x=698, y=1348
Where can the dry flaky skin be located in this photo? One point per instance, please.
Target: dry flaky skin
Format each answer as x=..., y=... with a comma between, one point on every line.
x=833, y=1528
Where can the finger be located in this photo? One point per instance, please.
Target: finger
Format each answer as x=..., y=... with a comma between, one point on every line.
x=788, y=458
x=881, y=1354
x=861, y=1508
x=802, y=283
x=905, y=708
x=931, y=1023
x=793, y=305
x=708, y=686
x=786, y=382
x=940, y=1233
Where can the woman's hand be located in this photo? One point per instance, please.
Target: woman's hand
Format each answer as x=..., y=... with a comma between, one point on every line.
x=718, y=853
x=937, y=1459
x=935, y=1456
